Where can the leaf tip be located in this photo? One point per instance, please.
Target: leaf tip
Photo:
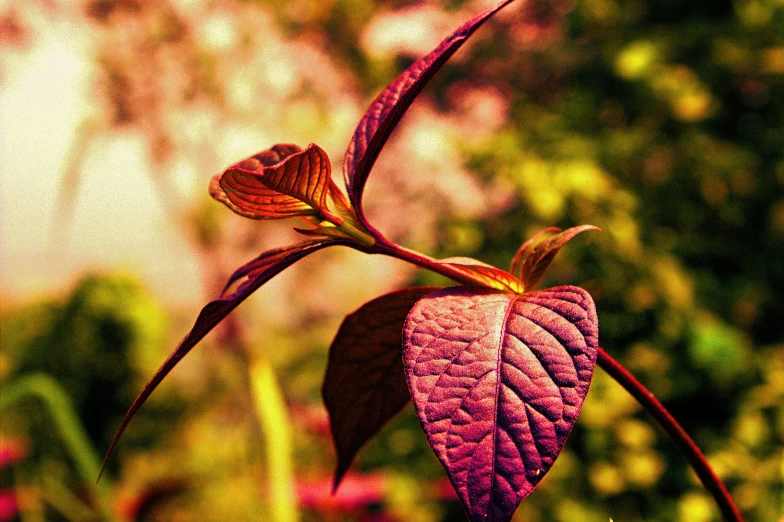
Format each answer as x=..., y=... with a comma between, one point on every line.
x=340, y=472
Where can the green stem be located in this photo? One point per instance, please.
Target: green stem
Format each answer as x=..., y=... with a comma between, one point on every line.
x=358, y=234
x=274, y=421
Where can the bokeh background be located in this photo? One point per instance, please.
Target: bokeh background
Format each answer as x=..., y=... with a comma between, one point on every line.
x=660, y=121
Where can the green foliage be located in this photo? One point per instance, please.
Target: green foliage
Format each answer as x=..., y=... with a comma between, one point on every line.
x=92, y=344
x=70, y=368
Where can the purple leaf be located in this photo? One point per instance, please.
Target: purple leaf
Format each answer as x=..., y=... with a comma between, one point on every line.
x=385, y=112
x=498, y=381
x=364, y=386
x=257, y=272
x=517, y=260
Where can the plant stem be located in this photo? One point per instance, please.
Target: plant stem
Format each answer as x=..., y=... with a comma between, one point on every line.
x=386, y=247
x=656, y=409
x=355, y=232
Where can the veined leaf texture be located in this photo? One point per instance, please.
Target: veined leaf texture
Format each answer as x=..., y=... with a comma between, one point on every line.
x=498, y=381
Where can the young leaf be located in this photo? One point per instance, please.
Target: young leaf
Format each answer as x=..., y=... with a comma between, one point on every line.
x=517, y=260
x=364, y=386
x=385, y=112
x=280, y=182
x=498, y=381
x=263, y=268
x=536, y=259
x=493, y=277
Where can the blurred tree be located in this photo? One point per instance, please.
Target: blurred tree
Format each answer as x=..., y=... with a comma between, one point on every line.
x=96, y=344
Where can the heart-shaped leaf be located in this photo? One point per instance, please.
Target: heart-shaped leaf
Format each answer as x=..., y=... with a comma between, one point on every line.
x=385, y=112
x=364, y=386
x=257, y=272
x=280, y=182
x=533, y=259
x=498, y=381
x=490, y=276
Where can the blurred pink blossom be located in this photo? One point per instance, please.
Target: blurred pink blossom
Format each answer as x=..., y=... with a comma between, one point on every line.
x=355, y=492
x=411, y=31
x=11, y=450
x=8, y=505
x=311, y=417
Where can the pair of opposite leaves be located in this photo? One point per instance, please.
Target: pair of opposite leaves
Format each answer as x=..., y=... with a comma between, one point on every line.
x=497, y=372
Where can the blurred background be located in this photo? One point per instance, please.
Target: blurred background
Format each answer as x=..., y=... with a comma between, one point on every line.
x=660, y=121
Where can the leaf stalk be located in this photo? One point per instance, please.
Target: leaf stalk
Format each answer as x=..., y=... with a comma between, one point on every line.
x=355, y=232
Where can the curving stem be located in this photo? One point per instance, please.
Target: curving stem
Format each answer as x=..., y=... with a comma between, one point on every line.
x=656, y=409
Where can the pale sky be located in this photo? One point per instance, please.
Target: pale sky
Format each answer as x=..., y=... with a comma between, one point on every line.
x=118, y=223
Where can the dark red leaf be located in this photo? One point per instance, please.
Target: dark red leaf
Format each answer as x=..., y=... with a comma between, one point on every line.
x=260, y=187
x=491, y=276
x=364, y=386
x=536, y=259
x=258, y=272
x=498, y=381
x=385, y=112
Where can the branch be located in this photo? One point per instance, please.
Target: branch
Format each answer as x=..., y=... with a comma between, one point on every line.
x=656, y=409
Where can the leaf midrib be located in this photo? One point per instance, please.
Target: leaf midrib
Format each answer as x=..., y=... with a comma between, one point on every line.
x=499, y=363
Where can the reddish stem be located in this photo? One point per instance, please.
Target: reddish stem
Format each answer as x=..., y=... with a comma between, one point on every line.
x=656, y=409
x=384, y=246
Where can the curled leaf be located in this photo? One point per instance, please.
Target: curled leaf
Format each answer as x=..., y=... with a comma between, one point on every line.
x=385, y=112
x=498, y=381
x=489, y=275
x=280, y=182
x=533, y=261
x=364, y=386
x=257, y=272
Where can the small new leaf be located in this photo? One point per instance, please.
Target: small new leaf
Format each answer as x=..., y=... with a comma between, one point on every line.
x=280, y=182
x=533, y=259
x=498, y=380
x=517, y=260
x=364, y=386
x=255, y=273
